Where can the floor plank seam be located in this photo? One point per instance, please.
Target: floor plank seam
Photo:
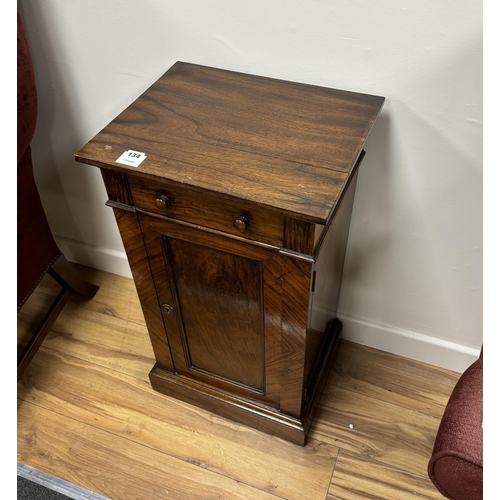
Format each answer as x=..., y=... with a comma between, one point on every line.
x=138, y=443
x=331, y=477
x=92, y=363
x=419, y=412
x=117, y=316
x=385, y=464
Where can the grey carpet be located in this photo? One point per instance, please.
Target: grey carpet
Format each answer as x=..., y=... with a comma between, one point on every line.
x=29, y=490
x=34, y=484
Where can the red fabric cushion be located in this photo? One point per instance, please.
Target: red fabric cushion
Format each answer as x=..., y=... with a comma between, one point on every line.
x=456, y=465
x=26, y=91
x=36, y=247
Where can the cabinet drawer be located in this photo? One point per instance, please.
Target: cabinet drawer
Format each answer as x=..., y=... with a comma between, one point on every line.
x=226, y=214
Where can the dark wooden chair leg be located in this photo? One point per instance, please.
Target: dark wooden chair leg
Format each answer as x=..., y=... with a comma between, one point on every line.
x=64, y=273
x=36, y=340
x=71, y=282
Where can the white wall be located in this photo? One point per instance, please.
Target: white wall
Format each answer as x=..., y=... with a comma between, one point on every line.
x=413, y=275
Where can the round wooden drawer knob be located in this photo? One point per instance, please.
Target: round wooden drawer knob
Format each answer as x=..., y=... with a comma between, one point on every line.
x=241, y=223
x=162, y=201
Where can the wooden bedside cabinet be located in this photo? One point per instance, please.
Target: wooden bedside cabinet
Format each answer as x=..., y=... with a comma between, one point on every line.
x=234, y=202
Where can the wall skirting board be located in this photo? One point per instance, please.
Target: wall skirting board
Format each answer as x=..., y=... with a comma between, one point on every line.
x=104, y=259
x=434, y=351
x=387, y=338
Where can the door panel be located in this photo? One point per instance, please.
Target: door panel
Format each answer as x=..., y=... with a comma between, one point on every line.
x=223, y=319
x=220, y=299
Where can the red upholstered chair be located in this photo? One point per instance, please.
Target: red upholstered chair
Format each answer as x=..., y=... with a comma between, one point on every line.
x=37, y=251
x=456, y=464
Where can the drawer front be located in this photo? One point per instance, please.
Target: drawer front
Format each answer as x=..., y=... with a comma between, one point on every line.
x=229, y=215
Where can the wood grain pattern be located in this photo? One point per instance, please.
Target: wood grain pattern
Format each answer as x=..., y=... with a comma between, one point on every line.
x=245, y=410
x=169, y=290
x=108, y=330
x=150, y=474
x=117, y=187
x=358, y=478
x=208, y=209
x=130, y=231
x=129, y=410
x=87, y=414
x=221, y=303
x=395, y=380
x=385, y=432
x=296, y=287
x=71, y=283
x=298, y=236
x=279, y=144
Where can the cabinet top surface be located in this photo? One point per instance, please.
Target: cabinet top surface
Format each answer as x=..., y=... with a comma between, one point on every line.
x=285, y=145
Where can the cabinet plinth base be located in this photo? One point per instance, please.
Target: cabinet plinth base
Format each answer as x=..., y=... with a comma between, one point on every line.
x=242, y=410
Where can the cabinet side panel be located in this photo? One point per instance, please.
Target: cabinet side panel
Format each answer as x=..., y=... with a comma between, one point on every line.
x=330, y=263
x=130, y=231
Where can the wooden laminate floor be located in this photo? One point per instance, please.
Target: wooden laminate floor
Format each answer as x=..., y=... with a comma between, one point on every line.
x=87, y=414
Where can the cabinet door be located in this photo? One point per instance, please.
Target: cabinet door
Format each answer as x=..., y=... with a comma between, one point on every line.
x=221, y=304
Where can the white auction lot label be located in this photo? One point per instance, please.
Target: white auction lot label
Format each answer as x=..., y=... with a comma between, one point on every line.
x=132, y=158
